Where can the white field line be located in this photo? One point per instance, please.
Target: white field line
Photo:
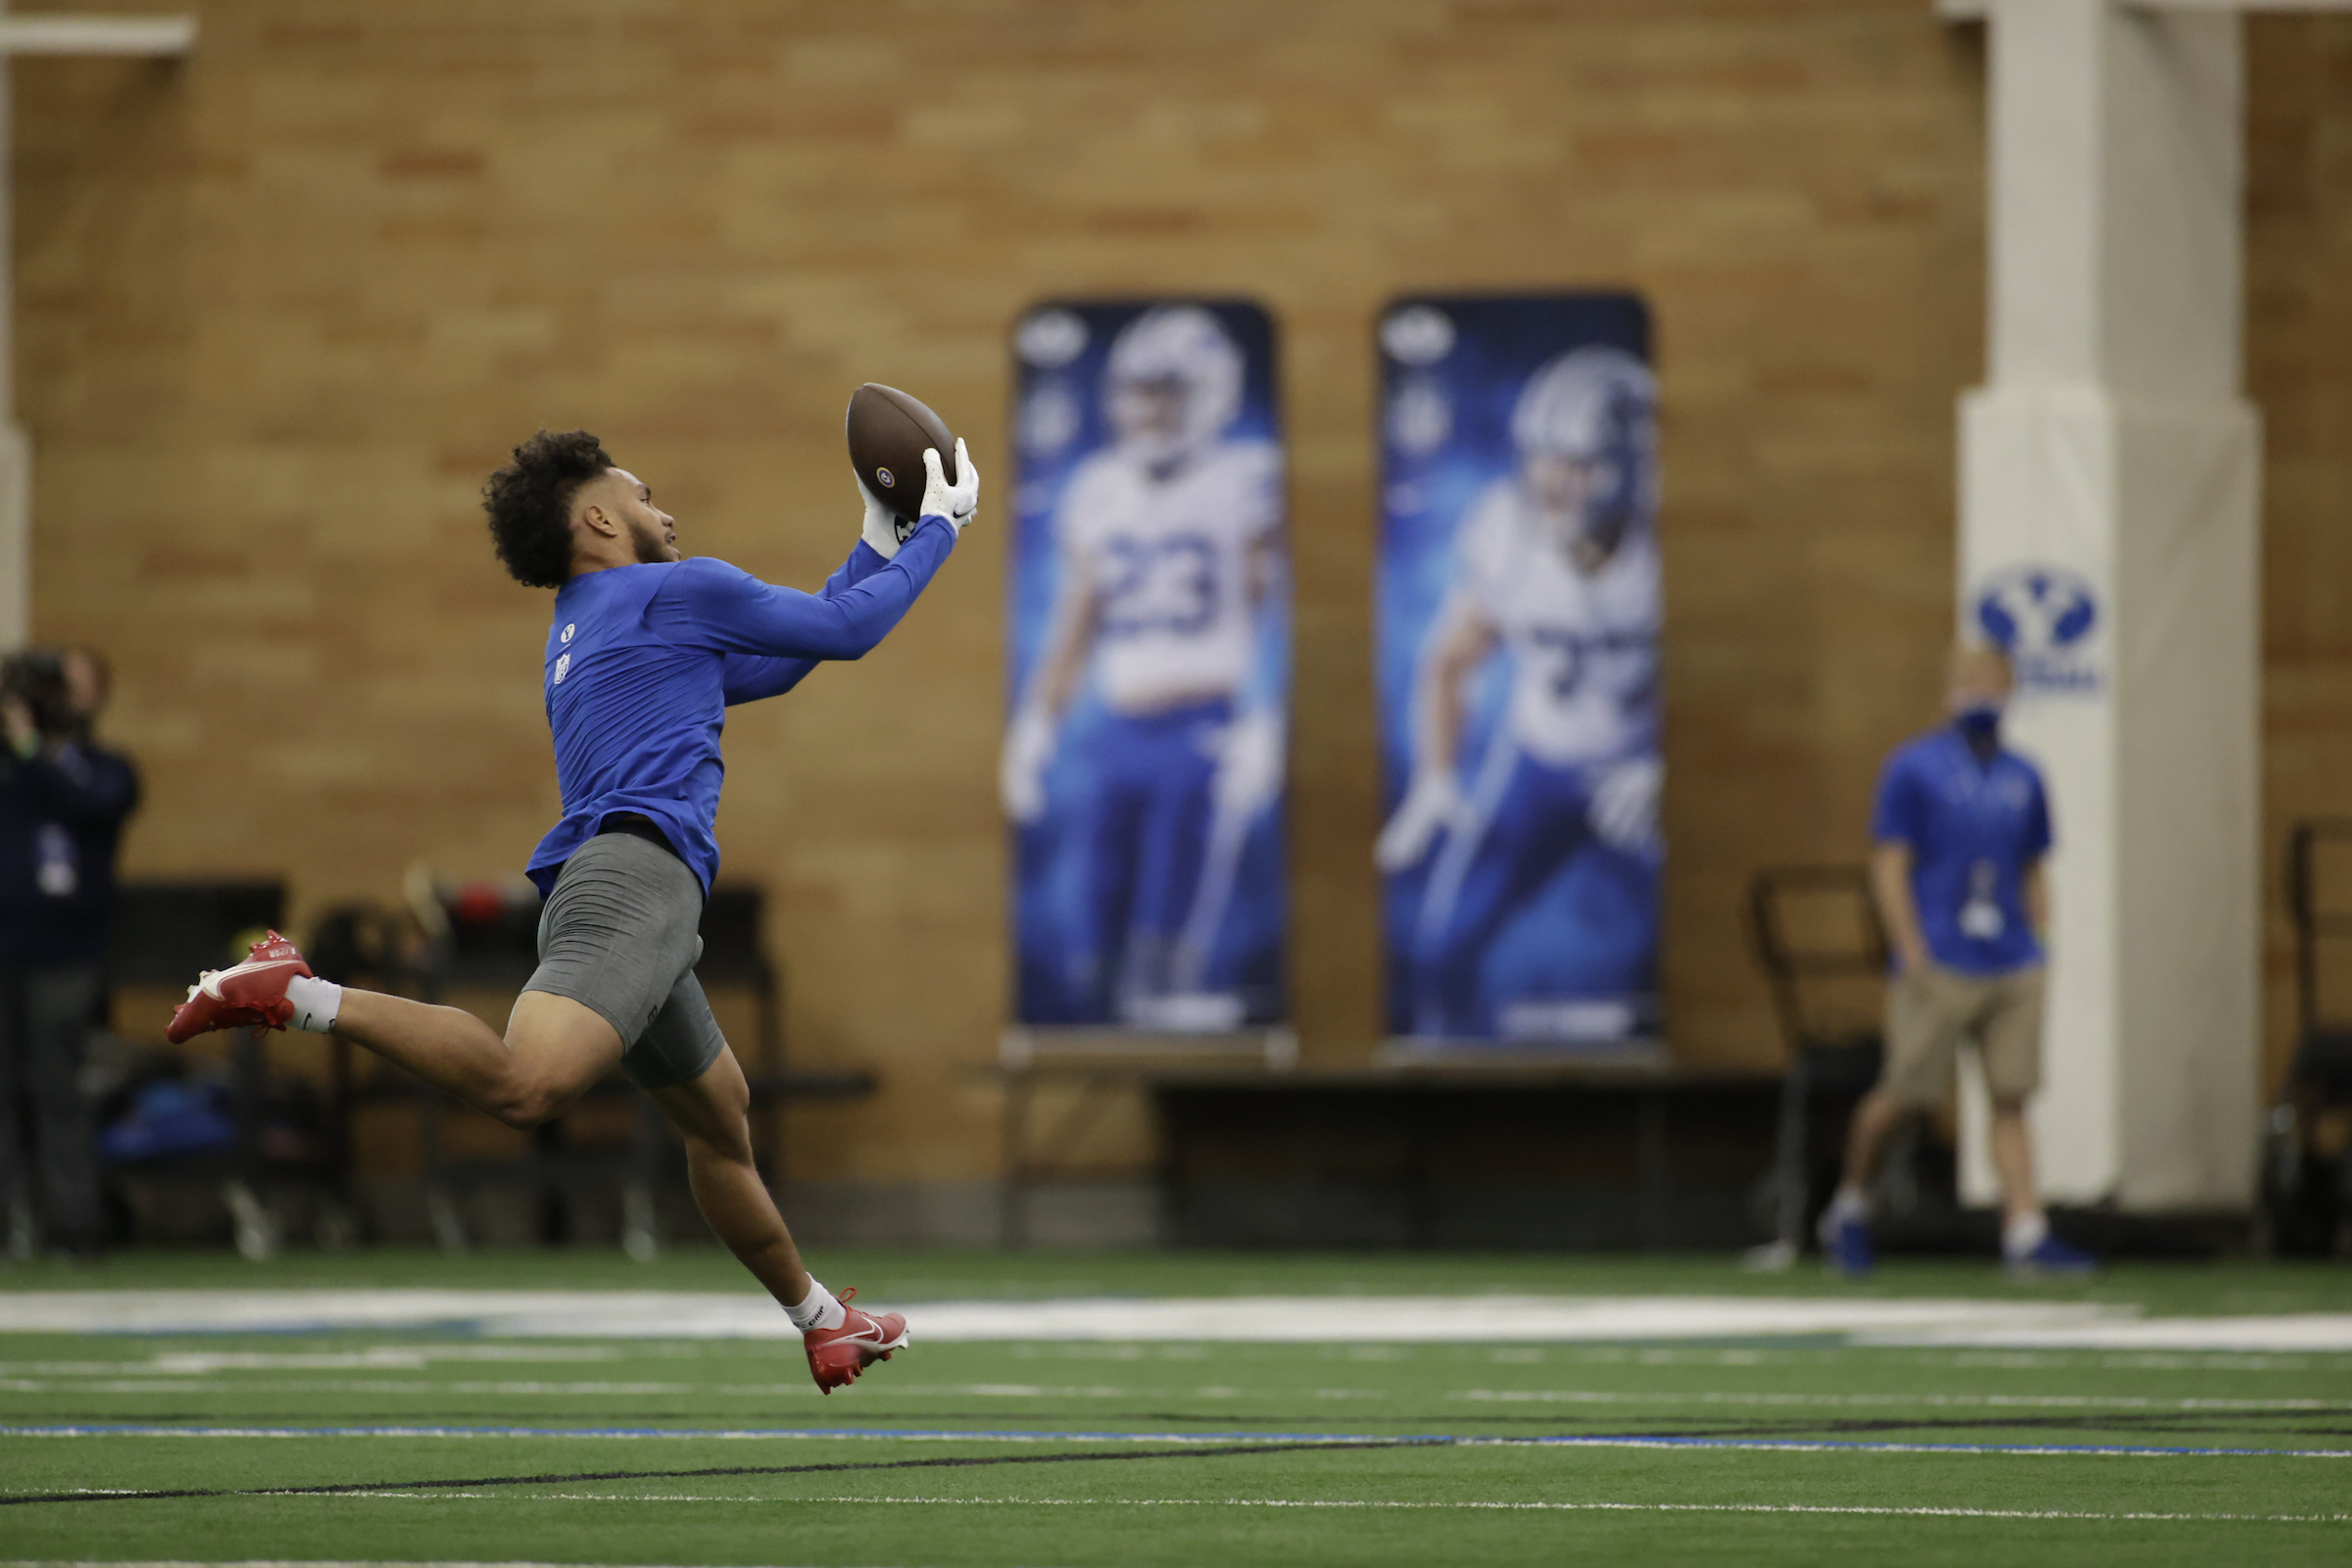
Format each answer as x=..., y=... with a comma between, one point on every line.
x=1280, y=1320
x=2295, y=1331
x=1862, y=1510
x=377, y=1386
x=1992, y=1401
x=372, y=1358
x=1265, y=1319
x=389, y=1356
x=763, y=1391
x=19, y=1373
x=1099, y=1391
x=1744, y=1355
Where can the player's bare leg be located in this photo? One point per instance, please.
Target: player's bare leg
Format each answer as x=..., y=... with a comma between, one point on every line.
x=2012, y=1145
x=553, y=1047
x=552, y=1052
x=1875, y=1120
x=2028, y=1249
x=1845, y=1224
x=713, y=1114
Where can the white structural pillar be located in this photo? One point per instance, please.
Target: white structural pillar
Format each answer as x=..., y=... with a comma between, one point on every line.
x=43, y=35
x=2109, y=478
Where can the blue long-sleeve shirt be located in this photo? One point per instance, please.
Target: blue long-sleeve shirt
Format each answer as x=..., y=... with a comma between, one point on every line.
x=752, y=676
x=643, y=662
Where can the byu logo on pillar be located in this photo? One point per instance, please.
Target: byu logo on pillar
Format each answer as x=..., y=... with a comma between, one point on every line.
x=2042, y=616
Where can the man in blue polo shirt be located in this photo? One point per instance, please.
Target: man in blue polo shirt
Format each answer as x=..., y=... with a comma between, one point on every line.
x=1961, y=828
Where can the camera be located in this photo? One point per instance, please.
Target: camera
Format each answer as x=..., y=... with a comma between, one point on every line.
x=36, y=677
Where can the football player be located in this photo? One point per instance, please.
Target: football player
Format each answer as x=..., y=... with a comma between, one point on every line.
x=1170, y=549
x=646, y=652
x=1558, y=566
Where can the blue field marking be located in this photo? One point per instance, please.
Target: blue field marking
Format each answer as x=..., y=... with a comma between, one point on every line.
x=1369, y=1439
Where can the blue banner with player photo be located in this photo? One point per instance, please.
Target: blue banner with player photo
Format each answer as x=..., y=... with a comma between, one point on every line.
x=1517, y=674
x=1149, y=607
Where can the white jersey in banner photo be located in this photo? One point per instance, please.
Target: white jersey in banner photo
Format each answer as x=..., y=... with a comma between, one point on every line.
x=1167, y=546
x=1583, y=649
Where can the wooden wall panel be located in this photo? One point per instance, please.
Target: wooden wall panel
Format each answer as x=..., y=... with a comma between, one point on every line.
x=283, y=307
x=2299, y=371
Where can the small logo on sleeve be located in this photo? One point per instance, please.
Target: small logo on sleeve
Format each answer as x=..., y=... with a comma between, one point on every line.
x=569, y=630
x=563, y=668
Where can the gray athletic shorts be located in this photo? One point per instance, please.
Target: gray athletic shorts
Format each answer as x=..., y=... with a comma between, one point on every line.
x=618, y=936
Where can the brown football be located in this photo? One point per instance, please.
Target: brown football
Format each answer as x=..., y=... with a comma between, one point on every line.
x=888, y=431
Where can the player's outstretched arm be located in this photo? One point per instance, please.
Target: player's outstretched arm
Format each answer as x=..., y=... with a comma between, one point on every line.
x=751, y=678
x=710, y=604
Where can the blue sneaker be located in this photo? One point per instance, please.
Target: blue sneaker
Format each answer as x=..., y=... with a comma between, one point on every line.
x=1845, y=1246
x=2051, y=1259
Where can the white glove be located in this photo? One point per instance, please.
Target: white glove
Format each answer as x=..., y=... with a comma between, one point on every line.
x=955, y=502
x=1433, y=802
x=885, y=530
x=1624, y=804
x=1250, y=765
x=1021, y=775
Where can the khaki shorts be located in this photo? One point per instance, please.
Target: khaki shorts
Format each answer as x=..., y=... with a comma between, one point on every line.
x=1930, y=1011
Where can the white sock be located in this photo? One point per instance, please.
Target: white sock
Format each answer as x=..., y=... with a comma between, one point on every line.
x=817, y=1309
x=317, y=1004
x=1847, y=1202
x=2025, y=1233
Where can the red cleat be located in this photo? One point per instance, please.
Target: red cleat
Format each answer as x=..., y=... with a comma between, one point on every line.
x=250, y=995
x=837, y=1355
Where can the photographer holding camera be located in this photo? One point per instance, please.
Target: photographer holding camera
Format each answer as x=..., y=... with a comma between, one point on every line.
x=63, y=802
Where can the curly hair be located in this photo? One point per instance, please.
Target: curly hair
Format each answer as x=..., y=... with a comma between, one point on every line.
x=529, y=502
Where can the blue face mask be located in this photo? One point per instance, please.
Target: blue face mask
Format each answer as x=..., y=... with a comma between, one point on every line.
x=1981, y=725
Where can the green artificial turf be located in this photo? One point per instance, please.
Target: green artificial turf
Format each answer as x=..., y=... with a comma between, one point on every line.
x=1102, y=1453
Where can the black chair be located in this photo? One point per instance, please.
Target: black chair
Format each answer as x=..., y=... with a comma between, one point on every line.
x=734, y=955
x=2307, y=1191
x=165, y=932
x=1834, y=1054
x=363, y=944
